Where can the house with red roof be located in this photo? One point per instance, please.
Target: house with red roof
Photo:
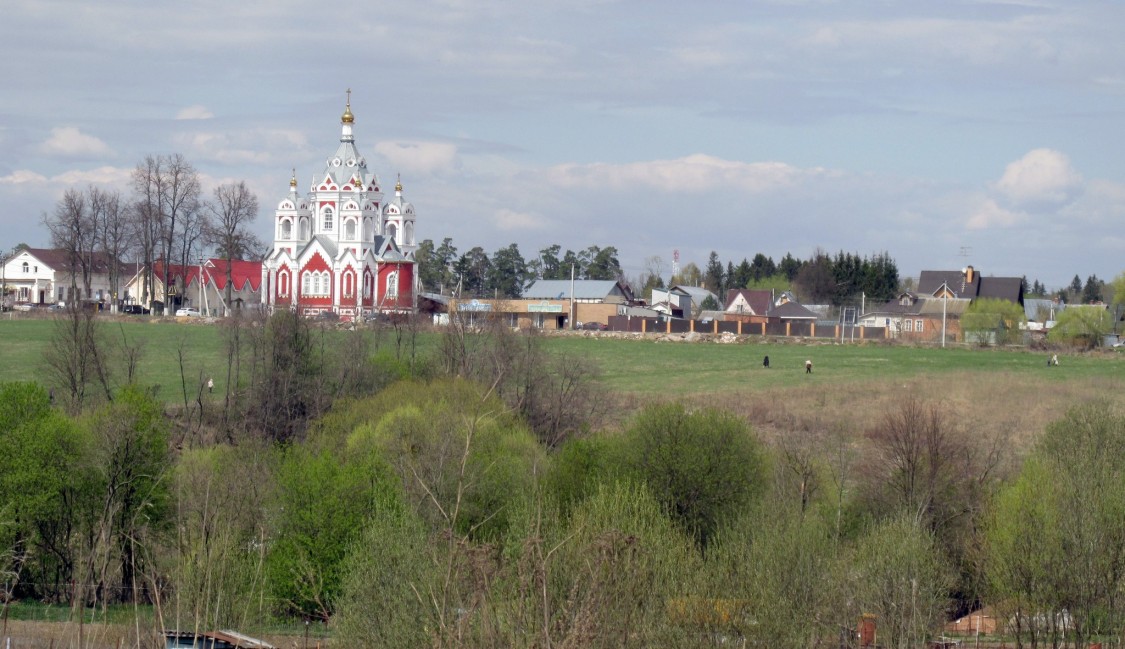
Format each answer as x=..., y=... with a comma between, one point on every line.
x=212, y=286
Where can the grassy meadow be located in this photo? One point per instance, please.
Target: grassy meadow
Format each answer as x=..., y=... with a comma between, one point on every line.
x=850, y=383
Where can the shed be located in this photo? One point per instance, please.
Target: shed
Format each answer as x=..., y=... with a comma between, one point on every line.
x=224, y=639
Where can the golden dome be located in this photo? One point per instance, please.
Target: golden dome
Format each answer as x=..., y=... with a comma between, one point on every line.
x=398, y=185
x=347, y=117
x=293, y=180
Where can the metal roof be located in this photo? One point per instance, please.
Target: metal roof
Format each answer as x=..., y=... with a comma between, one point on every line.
x=584, y=289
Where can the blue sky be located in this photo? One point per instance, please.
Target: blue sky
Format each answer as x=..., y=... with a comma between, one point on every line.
x=952, y=133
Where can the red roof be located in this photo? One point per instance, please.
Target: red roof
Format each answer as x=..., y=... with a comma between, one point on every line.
x=215, y=273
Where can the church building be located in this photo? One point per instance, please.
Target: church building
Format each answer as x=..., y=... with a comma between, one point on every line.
x=341, y=247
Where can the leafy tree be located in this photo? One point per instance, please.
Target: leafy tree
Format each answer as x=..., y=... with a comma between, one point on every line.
x=689, y=275
x=508, y=272
x=435, y=264
x=762, y=267
x=1082, y=325
x=602, y=577
x=776, y=282
x=391, y=576
x=1092, y=291
x=710, y=304
x=1118, y=288
x=774, y=558
x=131, y=459
x=714, y=277
x=1073, y=292
x=789, y=266
x=742, y=275
x=1056, y=540
x=45, y=489
x=473, y=270
x=815, y=282
x=548, y=265
x=429, y=275
x=323, y=506
x=603, y=263
x=902, y=579
x=221, y=534
x=995, y=319
x=704, y=466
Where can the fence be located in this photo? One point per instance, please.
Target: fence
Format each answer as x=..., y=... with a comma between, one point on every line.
x=788, y=329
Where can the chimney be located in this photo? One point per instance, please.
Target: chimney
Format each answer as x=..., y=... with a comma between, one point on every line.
x=968, y=274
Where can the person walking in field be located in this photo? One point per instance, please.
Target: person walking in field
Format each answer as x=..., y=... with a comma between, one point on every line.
x=210, y=385
x=766, y=362
x=808, y=367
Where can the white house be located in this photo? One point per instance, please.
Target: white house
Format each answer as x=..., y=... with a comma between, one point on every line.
x=43, y=276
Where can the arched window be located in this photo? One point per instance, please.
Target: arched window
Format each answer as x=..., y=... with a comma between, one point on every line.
x=392, y=284
x=408, y=233
x=328, y=219
x=26, y=268
x=286, y=229
x=391, y=231
x=304, y=228
x=349, y=230
x=349, y=285
x=306, y=284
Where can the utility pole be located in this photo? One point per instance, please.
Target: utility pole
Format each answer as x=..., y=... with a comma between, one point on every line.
x=572, y=309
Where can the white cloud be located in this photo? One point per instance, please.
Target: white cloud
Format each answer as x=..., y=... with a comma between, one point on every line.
x=197, y=111
x=22, y=177
x=505, y=219
x=118, y=177
x=70, y=142
x=261, y=146
x=419, y=157
x=693, y=173
x=989, y=214
x=1041, y=176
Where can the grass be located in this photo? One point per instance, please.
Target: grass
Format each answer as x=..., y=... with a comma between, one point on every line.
x=1010, y=387
x=647, y=367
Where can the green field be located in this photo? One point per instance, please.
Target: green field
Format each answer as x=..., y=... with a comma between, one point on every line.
x=641, y=368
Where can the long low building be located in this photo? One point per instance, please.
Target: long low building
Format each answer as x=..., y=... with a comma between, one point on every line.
x=550, y=304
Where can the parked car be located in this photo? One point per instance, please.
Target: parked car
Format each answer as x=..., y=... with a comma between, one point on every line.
x=592, y=326
x=134, y=309
x=187, y=312
x=24, y=306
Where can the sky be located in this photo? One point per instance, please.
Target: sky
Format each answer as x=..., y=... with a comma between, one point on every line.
x=946, y=134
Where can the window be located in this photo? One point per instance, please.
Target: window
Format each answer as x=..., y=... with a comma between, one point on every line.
x=907, y=324
x=349, y=230
x=26, y=267
x=391, y=230
x=304, y=228
x=283, y=283
x=918, y=326
x=408, y=233
x=286, y=229
x=349, y=285
x=392, y=284
x=316, y=284
x=328, y=222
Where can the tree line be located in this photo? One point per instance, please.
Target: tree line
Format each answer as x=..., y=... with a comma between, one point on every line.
x=822, y=278
x=478, y=495
x=166, y=217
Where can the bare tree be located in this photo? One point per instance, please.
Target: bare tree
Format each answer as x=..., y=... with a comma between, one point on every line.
x=167, y=191
x=228, y=230
x=114, y=234
x=73, y=227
